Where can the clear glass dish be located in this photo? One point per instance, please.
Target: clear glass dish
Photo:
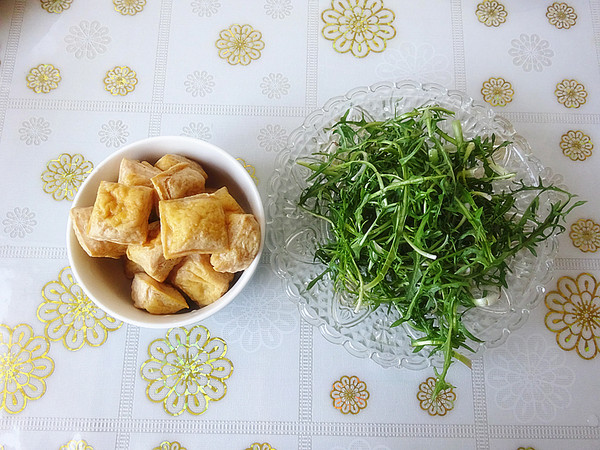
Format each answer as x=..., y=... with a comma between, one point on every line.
x=293, y=234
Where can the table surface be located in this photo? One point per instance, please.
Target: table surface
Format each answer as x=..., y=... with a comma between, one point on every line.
x=78, y=82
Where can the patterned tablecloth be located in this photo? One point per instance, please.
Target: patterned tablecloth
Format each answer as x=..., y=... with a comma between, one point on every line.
x=81, y=78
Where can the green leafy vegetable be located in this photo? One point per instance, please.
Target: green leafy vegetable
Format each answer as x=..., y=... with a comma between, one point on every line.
x=417, y=222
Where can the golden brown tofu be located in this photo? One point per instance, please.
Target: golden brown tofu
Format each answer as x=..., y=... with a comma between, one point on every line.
x=169, y=160
x=120, y=213
x=193, y=224
x=230, y=205
x=130, y=268
x=149, y=255
x=197, y=278
x=80, y=219
x=155, y=297
x=244, y=242
x=136, y=173
x=178, y=181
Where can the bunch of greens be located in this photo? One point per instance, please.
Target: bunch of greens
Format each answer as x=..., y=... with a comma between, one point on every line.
x=418, y=223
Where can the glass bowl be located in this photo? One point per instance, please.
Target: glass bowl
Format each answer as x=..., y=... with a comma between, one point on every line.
x=294, y=234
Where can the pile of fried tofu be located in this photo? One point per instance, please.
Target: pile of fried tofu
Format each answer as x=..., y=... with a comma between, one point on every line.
x=180, y=242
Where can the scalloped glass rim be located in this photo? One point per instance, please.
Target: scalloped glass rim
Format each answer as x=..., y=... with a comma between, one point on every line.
x=293, y=233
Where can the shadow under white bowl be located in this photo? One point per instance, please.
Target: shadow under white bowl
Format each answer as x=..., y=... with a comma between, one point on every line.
x=103, y=279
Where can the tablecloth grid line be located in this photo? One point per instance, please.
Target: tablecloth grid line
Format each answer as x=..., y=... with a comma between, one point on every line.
x=112, y=106
x=523, y=432
x=26, y=252
x=312, y=54
x=104, y=106
x=10, y=56
x=283, y=428
x=160, y=66
x=595, y=18
x=305, y=386
x=458, y=48
x=129, y=375
x=479, y=404
x=14, y=251
x=542, y=118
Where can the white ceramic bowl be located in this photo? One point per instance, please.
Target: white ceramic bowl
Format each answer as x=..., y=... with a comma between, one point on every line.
x=103, y=279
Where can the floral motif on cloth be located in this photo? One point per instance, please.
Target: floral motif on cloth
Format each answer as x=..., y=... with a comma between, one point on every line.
x=43, y=78
x=529, y=378
x=24, y=366
x=561, y=15
x=576, y=145
x=56, y=6
x=19, y=222
x=491, y=13
x=240, y=44
x=249, y=168
x=76, y=444
x=71, y=317
x=438, y=406
x=129, y=7
x=64, y=175
x=120, y=80
x=574, y=314
x=186, y=370
x=570, y=93
x=585, y=235
x=349, y=395
x=497, y=92
x=167, y=445
x=358, y=27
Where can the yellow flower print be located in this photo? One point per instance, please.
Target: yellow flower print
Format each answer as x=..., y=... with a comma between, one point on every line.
x=497, y=92
x=561, y=15
x=491, y=13
x=574, y=314
x=349, y=395
x=56, y=6
x=120, y=80
x=259, y=446
x=358, y=26
x=76, y=444
x=240, y=44
x=570, y=93
x=249, y=168
x=186, y=370
x=24, y=366
x=43, y=78
x=71, y=316
x=129, y=7
x=576, y=145
x=166, y=445
x=438, y=406
x=585, y=234
x=64, y=175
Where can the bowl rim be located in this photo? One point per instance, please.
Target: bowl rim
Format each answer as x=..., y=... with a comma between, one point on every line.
x=253, y=198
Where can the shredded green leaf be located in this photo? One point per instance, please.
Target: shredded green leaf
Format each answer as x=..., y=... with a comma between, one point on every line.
x=418, y=224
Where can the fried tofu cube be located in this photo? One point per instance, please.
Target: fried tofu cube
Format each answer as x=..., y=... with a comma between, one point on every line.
x=169, y=160
x=120, y=213
x=155, y=297
x=230, y=205
x=196, y=277
x=244, y=242
x=178, y=181
x=149, y=255
x=130, y=268
x=193, y=224
x=80, y=219
x=136, y=173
